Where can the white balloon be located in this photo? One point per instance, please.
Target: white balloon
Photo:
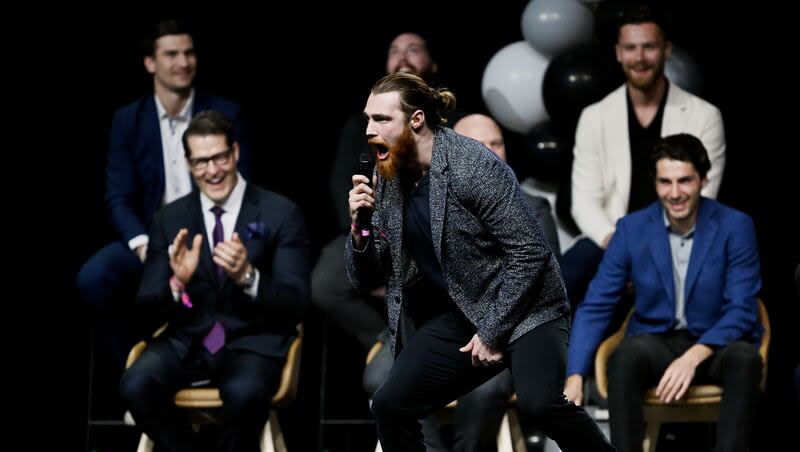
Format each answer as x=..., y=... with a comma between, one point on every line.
x=555, y=26
x=512, y=87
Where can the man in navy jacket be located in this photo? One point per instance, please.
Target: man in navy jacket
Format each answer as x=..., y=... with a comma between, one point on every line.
x=145, y=170
x=228, y=269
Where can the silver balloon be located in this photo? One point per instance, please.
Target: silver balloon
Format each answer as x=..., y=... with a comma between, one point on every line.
x=512, y=87
x=555, y=26
x=681, y=69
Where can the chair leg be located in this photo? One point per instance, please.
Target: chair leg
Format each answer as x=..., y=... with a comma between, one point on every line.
x=272, y=435
x=651, y=436
x=90, y=388
x=504, y=435
x=510, y=437
x=145, y=444
x=517, y=437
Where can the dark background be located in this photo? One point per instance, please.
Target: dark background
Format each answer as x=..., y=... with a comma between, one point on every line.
x=301, y=72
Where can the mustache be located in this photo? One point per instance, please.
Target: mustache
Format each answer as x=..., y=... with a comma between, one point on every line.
x=378, y=143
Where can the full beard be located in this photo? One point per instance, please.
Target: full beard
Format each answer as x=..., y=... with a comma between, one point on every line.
x=402, y=155
x=645, y=83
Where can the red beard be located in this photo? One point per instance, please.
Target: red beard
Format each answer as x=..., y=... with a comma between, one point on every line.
x=402, y=156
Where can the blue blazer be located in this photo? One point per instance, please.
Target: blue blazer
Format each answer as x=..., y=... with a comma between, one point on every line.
x=273, y=231
x=722, y=281
x=135, y=167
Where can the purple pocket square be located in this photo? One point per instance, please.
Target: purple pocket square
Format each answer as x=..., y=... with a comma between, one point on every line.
x=256, y=230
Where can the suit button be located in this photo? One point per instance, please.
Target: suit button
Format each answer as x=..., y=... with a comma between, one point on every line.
x=391, y=331
x=397, y=300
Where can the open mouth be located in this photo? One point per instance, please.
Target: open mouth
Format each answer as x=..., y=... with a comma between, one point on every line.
x=381, y=150
x=215, y=181
x=678, y=206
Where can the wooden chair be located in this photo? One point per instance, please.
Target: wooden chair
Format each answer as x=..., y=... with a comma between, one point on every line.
x=700, y=403
x=509, y=437
x=203, y=403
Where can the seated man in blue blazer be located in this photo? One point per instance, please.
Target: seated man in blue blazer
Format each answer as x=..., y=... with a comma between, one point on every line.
x=695, y=269
x=228, y=267
x=146, y=170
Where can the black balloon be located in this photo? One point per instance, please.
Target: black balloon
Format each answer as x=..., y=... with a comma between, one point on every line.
x=576, y=79
x=545, y=153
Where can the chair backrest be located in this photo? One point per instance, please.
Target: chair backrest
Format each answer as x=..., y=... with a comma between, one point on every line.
x=290, y=375
x=604, y=351
x=611, y=343
x=766, y=336
x=376, y=347
x=137, y=349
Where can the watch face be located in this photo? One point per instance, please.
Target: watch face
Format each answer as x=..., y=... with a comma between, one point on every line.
x=249, y=278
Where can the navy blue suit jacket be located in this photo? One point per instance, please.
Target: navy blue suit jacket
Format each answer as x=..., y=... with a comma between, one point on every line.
x=722, y=281
x=135, y=167
x=273, y=231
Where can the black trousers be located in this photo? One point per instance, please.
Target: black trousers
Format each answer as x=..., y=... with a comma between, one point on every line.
x=430, y=372
x=639, y=363
x=578, y=266
x=471, y=433
x=108, y=283
x=246, y=383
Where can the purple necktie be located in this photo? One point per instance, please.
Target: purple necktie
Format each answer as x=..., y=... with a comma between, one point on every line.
x=219, y=236
x=215, y=338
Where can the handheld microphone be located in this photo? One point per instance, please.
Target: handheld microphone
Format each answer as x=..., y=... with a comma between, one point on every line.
x=365, y=167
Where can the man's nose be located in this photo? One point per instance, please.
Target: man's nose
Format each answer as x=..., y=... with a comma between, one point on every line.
x=212, y=167
x=182, y=60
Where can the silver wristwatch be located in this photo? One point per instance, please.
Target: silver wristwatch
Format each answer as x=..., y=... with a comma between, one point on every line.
x=249, y=278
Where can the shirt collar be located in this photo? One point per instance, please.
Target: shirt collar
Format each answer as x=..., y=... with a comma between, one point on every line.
x=185, y=113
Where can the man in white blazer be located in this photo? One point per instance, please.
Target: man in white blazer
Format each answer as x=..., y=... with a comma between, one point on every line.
x=614, y=138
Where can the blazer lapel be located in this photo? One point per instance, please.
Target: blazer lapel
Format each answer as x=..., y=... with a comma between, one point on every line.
x=438, y=194
x=198, y=224
x=152, y=130
x=675, y=112
x=392, y=211
x=248, y=214
x=619, y=143
x=704, y=235
x=660, y=250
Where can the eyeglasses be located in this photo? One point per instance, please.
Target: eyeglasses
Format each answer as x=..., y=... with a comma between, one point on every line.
x=201, y=163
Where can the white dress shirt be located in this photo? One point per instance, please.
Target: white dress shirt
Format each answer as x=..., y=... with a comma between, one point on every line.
x=231, y=208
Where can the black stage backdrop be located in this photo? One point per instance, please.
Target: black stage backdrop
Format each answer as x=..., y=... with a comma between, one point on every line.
x=300, y=73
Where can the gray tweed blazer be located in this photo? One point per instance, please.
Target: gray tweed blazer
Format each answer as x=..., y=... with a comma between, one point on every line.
x=496, y=262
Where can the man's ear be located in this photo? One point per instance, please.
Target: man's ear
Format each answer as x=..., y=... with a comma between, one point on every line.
x=150, y=64
x=417, y=120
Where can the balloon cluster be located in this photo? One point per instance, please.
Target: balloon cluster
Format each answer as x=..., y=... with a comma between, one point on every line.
x=539, y=86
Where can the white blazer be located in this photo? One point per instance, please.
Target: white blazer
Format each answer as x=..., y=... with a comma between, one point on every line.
x=601, y=171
